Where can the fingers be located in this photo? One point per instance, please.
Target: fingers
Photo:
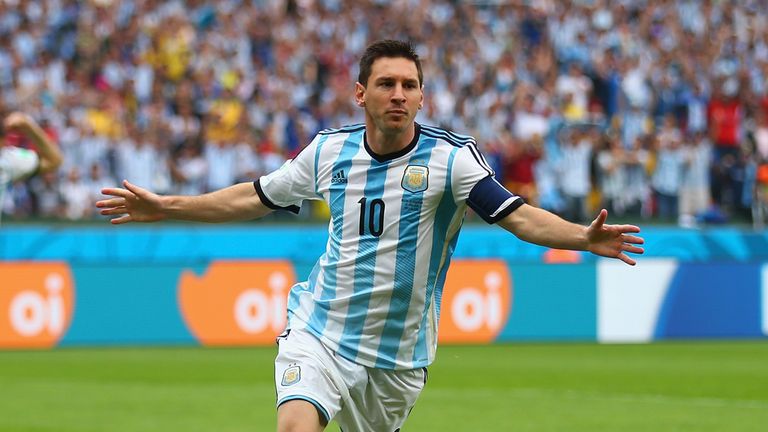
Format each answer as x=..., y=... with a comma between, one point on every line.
x=112, y=202
x=121, y=211
x=118, y=204
x=600, y=219
x=118, y=192
x=130, y=190
x=632, y=239
x=624, y=257
x=626, y=228
x=133, y=188
x=633, y=249
x=113, y=211
x=121, y=220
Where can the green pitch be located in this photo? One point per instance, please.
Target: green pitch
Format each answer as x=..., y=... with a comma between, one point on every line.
x=697, y=387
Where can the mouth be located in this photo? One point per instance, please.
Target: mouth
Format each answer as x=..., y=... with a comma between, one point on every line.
x=397, y=112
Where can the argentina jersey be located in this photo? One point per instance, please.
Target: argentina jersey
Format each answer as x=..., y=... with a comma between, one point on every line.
x=374, y=295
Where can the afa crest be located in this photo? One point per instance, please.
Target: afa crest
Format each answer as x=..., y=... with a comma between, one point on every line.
x=415, y=178
x=292, y=375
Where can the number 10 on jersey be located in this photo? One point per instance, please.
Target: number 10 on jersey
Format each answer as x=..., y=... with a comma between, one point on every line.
x=372, y=214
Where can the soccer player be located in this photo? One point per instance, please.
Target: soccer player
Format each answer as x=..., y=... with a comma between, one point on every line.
x=17, y=163
x=363, y=328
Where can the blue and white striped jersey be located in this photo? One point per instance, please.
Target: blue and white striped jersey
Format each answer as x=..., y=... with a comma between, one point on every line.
x=374, y=295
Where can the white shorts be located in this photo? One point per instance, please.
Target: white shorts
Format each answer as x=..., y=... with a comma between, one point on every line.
x=359, y=398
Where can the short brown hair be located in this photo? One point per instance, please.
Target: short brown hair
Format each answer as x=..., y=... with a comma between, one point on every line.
x=387, y=48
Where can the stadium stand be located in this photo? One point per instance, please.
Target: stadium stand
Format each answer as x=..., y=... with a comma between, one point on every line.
x=655, y=109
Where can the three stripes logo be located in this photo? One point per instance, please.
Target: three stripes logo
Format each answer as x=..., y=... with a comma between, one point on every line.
x=338, y=177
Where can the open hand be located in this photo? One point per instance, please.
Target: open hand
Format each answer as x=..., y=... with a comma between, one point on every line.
x=613, y=241
x=131, y=204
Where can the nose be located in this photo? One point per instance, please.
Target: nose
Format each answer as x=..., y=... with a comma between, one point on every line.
x=398, y=94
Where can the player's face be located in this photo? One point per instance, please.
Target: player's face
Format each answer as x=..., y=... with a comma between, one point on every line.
x=393, y=95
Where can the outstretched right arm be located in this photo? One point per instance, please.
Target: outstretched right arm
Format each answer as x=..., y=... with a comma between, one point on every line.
x=135, y=204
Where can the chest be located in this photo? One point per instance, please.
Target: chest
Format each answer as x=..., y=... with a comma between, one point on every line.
x=371, y=197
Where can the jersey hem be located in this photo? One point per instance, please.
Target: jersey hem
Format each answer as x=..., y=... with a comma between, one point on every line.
x=336, y=348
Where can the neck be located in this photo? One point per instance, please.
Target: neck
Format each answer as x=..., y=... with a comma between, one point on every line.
x=386, y=142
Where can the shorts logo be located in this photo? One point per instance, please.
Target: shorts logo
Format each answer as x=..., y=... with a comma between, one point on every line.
x=291, y=376
x=415, y=178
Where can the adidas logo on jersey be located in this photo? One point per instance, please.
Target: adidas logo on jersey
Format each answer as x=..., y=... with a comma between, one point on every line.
x=338, y=177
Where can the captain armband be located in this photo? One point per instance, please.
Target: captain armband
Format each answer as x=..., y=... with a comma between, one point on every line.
x=492, y=201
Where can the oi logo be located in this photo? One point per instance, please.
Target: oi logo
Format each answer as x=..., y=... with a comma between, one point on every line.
x=35, y=304
x=259, y=310
x=476, y=301
x=237, y=302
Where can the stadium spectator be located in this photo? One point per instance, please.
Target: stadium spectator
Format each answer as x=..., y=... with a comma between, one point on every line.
x=546, y=179
x=189, y=170
x=760, y=136
x=638, y=163
x=694, y=189
x=668, y=174
x=575, y=89
x=77, y=196
x=17, y=163
x=726, y=117
x=575, y=171
x=221, y=158
x=47, y=199
x=519, y=160
x=612, y=175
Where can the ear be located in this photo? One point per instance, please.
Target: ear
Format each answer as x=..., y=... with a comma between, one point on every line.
x=421, y=101
x=360, y=94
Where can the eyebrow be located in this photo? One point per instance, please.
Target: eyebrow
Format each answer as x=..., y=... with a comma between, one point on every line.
x=393, y=78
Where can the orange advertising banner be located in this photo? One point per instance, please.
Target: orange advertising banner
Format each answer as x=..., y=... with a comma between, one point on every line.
x=237, y=302
x=244, y=302
x=477, y=300
x=36, y=302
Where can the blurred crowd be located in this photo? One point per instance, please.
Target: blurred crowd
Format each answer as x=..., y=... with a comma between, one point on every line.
x=653, y=109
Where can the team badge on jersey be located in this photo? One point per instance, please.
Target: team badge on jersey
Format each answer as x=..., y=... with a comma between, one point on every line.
x=415, y=178
x=291, y=376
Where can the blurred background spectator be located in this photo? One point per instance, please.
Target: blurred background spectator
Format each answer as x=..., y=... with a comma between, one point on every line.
x=650, y=108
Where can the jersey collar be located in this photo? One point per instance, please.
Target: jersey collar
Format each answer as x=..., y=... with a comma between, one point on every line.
x=397, y=154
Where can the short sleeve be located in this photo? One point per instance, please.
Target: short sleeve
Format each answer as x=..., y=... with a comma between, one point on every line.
x=469, y=167
x=474, y=183
x=18, y=162
x=292, y=183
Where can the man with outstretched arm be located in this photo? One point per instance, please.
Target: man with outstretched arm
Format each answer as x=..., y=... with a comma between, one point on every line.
x=363, y=328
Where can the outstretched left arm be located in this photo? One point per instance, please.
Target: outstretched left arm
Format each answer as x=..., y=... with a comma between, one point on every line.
x=541, y=227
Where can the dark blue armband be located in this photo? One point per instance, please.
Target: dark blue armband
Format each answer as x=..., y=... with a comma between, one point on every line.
x=492, y=201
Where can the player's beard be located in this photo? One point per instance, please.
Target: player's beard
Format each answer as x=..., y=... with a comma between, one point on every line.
x=390, y=124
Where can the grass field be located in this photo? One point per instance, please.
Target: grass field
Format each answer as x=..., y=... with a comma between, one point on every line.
x=693, y=386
